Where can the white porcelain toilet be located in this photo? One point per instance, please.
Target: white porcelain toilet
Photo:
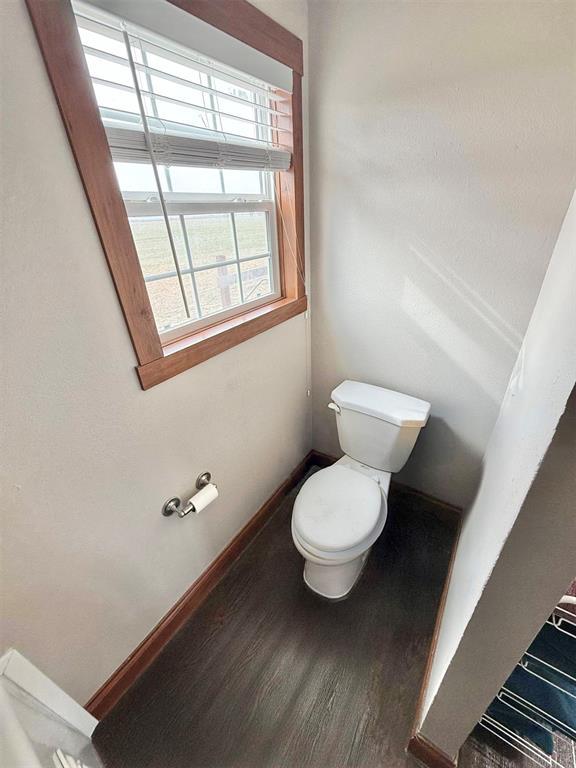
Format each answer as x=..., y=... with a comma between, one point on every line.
x=340, y=511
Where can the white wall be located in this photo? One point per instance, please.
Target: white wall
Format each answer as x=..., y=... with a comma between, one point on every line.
x=88, y=458
x=515, y=555
x=443, y=160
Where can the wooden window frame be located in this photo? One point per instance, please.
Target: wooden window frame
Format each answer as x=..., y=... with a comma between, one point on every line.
x=59, y=41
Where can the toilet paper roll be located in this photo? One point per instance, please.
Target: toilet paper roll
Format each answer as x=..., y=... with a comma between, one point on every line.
x=204, y=497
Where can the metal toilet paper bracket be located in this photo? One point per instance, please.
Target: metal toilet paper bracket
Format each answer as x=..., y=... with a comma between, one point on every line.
x=175, y=504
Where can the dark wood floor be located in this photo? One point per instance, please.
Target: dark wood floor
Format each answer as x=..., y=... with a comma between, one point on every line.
x=267, y=674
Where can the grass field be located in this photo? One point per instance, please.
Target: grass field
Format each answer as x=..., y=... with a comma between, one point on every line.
x=211, y=239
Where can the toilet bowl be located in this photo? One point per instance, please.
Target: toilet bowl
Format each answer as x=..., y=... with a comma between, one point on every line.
x=338, y=515
x=340, y=511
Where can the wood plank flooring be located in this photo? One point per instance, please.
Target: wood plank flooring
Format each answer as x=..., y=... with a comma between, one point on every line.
x=266, y=674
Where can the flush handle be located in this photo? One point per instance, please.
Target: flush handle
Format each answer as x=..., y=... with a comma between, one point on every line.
x=334, y=407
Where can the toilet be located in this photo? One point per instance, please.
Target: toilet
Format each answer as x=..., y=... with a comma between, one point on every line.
x=340, y=511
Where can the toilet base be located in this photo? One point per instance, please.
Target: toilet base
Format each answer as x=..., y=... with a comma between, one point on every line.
x=334, y=582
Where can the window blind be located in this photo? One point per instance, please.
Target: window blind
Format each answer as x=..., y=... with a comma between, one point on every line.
x=131, y=146
x=164, y=104
x=177, y=25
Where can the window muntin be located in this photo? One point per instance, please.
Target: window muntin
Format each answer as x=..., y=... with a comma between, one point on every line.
x=223, y=240
x=205, y=236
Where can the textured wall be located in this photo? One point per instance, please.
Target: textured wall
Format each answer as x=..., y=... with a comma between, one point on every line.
x=523, y=545
x=442, y=163
x=88, y=458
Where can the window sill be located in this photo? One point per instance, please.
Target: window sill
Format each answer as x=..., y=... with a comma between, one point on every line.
x=185, y=353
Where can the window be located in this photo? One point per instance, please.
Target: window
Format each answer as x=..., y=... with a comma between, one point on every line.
x=198, y=200
x=192, y=144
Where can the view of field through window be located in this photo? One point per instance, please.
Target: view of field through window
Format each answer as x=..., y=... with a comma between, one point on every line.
x=202, y=241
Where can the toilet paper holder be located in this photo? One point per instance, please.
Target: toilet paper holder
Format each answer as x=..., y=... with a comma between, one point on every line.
x=175, y=504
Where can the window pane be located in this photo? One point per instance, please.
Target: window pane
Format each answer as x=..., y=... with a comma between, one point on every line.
x=112, y=98
x=181, y=114
x=176, y=223
x=218, y=289
x=236, y=108
x=190, y=297
x=256, y=278
x=153, y=246
x=243, y=182
x=230, y=88
x=211, y=238
x=139, y=177
x=198, y=180
x=110, y=70
x=136, y=177
x=237, y=127
x=167, y=303
x=177, y=91
x=103, y=42
x=252, y=233
x=173, y=68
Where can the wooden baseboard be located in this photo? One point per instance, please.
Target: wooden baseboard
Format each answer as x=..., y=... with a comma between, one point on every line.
x=429, y=754
x=320, y=459
x=108, y=695
x=419, y=746
x=444, y=511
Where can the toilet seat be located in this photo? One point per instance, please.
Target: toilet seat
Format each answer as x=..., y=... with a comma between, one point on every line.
x=338, y=512
x=334, y=558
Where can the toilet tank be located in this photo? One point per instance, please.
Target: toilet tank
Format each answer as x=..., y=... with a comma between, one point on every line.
x=378, y=426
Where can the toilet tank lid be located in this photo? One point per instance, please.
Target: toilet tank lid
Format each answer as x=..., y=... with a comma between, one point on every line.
x=385, y=404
